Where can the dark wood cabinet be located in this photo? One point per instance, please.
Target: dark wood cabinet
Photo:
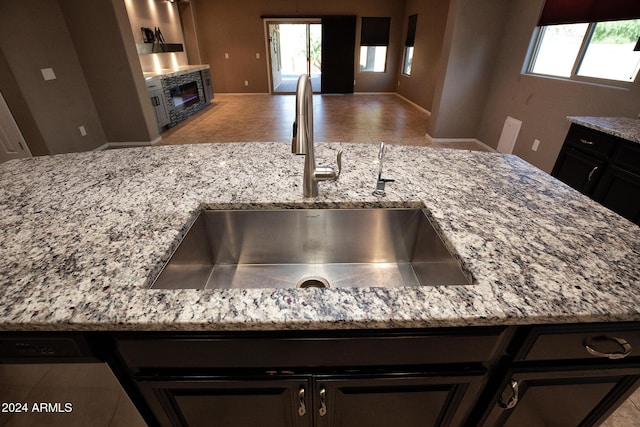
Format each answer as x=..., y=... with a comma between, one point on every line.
x=324, y=400
x=544, y=375
x=619, y=190
x=434, y=399
x=227, y=401
x=581, y=171
x=556, y=397
x=573, y=375
x=603, y=167
x=321, y=378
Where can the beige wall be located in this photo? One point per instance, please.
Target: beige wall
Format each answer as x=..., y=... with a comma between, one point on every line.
x=33, y=35
x=471, y=45
x=187, y=20
x=542, y=103
x=432, y=18
x=112, y=71
x=236, y=27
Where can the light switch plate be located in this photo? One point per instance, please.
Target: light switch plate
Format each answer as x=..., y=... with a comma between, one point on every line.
x=536, y=144
x=48, y=74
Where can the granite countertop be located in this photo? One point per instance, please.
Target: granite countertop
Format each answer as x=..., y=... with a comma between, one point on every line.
x=83, y=236
x=623, y=127
x=173, y=72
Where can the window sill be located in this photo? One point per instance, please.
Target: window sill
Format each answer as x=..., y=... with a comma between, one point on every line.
x=608, y=84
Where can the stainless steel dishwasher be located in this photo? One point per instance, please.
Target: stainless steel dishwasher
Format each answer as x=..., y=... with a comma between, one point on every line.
x=56, y=380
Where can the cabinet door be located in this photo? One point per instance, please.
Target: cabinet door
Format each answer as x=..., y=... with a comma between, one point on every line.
x=579, y=170
x=562, y=398
x=159, y=107
x=394, y=401
x=230, y=402
x=619, y=190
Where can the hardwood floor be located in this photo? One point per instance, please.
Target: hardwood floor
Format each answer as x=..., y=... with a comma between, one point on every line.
x=337, y=118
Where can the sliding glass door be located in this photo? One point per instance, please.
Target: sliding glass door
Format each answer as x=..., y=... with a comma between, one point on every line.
x=295, y=48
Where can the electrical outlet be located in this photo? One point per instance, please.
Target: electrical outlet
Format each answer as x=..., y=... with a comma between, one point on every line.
x=257, y=55
x=246, y=82
x=536, y=144
x=83, y=131
x=226, y=56
x=48, y=74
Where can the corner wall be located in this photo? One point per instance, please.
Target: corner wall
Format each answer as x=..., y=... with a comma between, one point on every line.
x=471, y=44
x=420, y=86
x=33, y=36
x=103, y=41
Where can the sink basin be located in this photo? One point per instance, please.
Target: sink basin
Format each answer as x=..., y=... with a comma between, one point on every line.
x=310, y=248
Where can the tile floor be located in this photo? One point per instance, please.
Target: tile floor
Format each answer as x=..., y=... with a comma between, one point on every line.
x=337, y=118
x=627, y=415
x=96, y=398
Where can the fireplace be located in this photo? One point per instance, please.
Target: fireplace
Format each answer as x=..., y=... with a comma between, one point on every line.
x=184, y=95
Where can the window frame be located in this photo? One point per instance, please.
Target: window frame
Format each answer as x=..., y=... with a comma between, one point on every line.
x=412, y=25
x=534, y=48
x=404, y=61
x=374, y=45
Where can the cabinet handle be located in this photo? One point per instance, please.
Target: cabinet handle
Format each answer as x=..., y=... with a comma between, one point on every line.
x=323, y=406
x=586, y=141
x=513, y=400
x=302, y=409
x=592, y=172
x=626, y=347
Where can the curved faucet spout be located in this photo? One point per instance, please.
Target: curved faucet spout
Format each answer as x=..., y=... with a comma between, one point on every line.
x=303, y=125
x=302, y=142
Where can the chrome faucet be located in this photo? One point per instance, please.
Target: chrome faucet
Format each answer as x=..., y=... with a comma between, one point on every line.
x=302, y=142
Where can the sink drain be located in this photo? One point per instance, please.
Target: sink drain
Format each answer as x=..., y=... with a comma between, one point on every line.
x=312, y=282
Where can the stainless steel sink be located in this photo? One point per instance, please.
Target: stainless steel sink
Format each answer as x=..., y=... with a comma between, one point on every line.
x=310, y=248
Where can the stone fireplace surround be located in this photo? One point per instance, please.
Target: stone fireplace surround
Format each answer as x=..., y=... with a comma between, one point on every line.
x=171, y=78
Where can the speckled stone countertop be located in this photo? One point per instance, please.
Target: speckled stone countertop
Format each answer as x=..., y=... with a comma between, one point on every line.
x=172, y=72
x=623, y=127
x=83, y=236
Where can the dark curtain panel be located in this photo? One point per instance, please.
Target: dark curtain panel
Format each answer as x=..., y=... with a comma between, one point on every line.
x=338, y=53
x=375, y=31
x=575, y=11
x=411, y=30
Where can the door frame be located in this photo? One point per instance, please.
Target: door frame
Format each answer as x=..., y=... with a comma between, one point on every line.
x=275, y=20
x=12, y=130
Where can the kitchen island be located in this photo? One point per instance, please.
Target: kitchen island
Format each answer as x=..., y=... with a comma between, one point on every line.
x=84, y=235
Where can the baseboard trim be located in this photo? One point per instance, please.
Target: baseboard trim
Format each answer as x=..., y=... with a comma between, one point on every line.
x=128, y=144
x=433, y=140
x=242, y=93
x=374, y=93
x=414, y=104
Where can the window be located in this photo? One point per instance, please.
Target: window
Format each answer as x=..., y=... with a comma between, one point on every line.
x=600, y=50
x=373, y=58
x=374, y=40
x=407, y=60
